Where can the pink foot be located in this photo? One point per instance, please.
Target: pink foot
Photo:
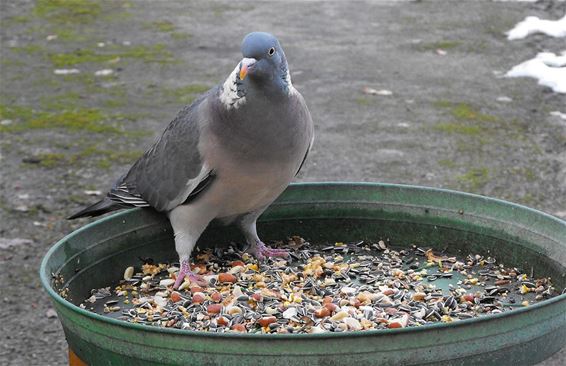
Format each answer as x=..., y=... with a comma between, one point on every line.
x=262, y=251
x=185, y=271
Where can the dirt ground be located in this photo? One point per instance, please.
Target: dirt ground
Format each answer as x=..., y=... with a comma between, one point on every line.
x=444, y=124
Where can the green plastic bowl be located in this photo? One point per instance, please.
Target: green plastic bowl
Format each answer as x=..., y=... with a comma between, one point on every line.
x=97, y=254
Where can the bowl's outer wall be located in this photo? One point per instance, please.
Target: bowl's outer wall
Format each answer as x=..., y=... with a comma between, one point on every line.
x=96, y=254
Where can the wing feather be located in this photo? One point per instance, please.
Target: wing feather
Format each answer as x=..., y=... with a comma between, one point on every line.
x=171, y=170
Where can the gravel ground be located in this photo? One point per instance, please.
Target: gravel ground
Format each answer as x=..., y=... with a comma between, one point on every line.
x=442, y=126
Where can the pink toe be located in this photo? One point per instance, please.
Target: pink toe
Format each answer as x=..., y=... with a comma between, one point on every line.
x=199, y=280
x=178, y=281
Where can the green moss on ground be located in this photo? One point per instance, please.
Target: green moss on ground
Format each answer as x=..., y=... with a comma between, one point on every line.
x=164, y=26
x=17, y=19
x=527, y=173
x=10, y=62
x=105, y=158
x=527, y=199
x=63, y=101
x=443, y=45
x=68, y=11
x=458, y=128
x=362, y=101
x=15, y=113
x=30, y=49
x=148, y=53
x=465, y=112
x=180, y=36
x=80, y=119
x=49, y=160
x=474, y=179
x=114, y=103
x=447, y=163
x=69, y=34
x=186, y=94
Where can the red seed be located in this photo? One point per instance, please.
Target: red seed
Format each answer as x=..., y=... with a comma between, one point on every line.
x=257, y=297
x=239, y=328
x=388, y=292
x=171, y=323
x=227, y=277
x=400, y=322
x=222, y=321
x=216, y=296
x=198, y=298
x=214, y=308
x=327, y=299
x=237, y=263
x=175, y=296
x=467, y=297
x=196, y=289
x=355, y=302
x=331, y=306
x=391, y=311
x=322, y=312
x=266, y=320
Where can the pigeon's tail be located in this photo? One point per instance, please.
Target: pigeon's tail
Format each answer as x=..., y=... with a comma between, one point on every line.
x=97, y=209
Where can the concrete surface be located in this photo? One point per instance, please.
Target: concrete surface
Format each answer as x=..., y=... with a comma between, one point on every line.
x=443, y=125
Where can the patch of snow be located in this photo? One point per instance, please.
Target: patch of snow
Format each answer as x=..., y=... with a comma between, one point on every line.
x=372, y=91
x=104, y=72
x=558, y=114
x=504, y=99
x=554, y=28
x=66, y=71
x=547, y=67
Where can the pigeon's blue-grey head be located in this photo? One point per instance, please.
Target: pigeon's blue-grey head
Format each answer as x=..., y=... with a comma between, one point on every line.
x=264, y=61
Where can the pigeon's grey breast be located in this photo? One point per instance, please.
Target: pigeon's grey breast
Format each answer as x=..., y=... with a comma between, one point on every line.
x=173, y=168
x=264, y=131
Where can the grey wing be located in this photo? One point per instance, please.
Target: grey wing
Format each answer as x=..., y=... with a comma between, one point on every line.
x=172, y=171
x=309, y=128
x=305, y=157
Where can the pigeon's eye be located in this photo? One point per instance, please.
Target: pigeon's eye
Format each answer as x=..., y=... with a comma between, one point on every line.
x=271, y=51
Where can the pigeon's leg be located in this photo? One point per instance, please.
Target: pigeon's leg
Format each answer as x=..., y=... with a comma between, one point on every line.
x=262, y=251
x=256, y=247
x=187, y=225
x=185, y=272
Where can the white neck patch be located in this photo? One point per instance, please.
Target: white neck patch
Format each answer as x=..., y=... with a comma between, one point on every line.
x=229, y=93
x=290, y=86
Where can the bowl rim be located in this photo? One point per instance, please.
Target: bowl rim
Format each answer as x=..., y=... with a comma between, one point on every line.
x=46, y=283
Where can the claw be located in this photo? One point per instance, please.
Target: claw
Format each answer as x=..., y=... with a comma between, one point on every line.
x=198, y=279
x=185, y=271
x=262, y=251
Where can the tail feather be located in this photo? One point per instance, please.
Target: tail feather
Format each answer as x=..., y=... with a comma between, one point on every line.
x=97, y=209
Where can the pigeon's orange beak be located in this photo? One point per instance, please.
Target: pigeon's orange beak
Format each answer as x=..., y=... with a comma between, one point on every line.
x=243, y=72
x=245, y=65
